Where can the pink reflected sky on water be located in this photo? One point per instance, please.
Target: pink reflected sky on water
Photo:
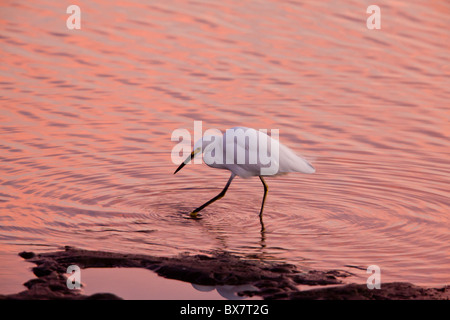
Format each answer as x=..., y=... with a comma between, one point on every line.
x=86, y=118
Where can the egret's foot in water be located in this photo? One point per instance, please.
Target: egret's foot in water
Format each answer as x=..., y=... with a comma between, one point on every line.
x=195, y=215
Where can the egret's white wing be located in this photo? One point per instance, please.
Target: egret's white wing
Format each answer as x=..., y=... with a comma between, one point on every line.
x=254, y=148
x=290, y=162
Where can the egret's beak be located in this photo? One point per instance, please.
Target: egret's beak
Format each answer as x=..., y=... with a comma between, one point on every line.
x=193, y=153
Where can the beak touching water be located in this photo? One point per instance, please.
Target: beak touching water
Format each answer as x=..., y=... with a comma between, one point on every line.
x=193, y=153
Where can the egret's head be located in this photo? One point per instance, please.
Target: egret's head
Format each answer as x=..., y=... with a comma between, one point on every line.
x=199, y=147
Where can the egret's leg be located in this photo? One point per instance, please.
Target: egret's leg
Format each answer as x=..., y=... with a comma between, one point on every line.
x=266, y=188
x=220, y=195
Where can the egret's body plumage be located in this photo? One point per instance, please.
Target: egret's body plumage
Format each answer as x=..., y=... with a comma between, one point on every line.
x=246, y=153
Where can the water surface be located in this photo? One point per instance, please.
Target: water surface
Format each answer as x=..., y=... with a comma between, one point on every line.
x=86, y=118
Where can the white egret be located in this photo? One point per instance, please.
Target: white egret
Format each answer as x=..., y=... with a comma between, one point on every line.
x=246, y=153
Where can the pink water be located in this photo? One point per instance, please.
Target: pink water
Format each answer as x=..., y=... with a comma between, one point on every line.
x=86, y=118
